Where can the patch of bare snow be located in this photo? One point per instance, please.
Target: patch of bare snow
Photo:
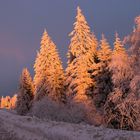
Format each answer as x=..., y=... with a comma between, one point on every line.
x=15, y=127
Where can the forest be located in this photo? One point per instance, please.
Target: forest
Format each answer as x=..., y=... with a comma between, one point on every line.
x=100, y=85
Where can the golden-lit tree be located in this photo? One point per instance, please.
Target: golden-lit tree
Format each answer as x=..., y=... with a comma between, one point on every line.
x=2, y=102
x=13, y=101
x=81, y=53
x=25, y=93
x=49, y=73
x=8, y=102
x=82, y=40
x=41, y=60
x=105, y=52
x=81, y=80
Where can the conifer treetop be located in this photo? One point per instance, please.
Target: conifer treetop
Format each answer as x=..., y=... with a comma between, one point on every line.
x=120, y=62
x=44, y=57
x=82, y=39
x=105, y=51
x=49, y=73
x=81, y=24
x=46, y=40
x=25, y=93
x=26, y=80
x=118, y=46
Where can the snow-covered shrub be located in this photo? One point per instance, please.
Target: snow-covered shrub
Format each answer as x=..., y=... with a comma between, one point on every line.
x=9, y=135
x=135, y=85
x=94, y=116
x=122, y=113
x=6, y=134
x=48, y=109
x=57, y=136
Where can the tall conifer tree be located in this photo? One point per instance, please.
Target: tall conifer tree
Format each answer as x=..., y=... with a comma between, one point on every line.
x=119, y=64
x=82, y=41
x=102, y=74
x=82, y=50
x=25, y=95
x=121, y=76
x=49, y=74
x=133, y=41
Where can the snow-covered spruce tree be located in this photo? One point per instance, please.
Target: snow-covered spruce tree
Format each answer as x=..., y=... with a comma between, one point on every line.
x=101, y=74
x=122, y=75
x=49, y=74
x=82, y=48
x=81, y=80
x=120, y=66
x=80, y=89
x=25, y=93
x=81, y=56
x=41, y=60
x=129, y=107
x=133, y=41
x=82, y=41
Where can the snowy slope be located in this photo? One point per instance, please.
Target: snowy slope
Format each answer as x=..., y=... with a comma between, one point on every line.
x=14, y=127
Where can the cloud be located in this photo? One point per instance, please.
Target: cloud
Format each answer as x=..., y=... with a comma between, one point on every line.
x=12, y=53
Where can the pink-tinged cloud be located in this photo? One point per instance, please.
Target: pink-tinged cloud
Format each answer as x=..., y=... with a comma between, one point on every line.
x=12, y=53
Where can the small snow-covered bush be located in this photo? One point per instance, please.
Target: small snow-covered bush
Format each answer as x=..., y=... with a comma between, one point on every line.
x=135, y=85
x=122, y=113
x=8, y=135
x=48, y=109
x=57, y=136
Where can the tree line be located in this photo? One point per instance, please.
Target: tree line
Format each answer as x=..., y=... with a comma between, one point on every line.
x=8, y=102
x=103, y=79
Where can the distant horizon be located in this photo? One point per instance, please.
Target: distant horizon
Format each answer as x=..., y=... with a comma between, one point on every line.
x=22, y=25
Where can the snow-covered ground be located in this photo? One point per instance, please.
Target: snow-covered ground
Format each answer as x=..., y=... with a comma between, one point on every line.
x=14, y=127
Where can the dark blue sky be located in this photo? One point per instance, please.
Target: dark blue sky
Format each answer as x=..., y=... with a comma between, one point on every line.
x=22, y=24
